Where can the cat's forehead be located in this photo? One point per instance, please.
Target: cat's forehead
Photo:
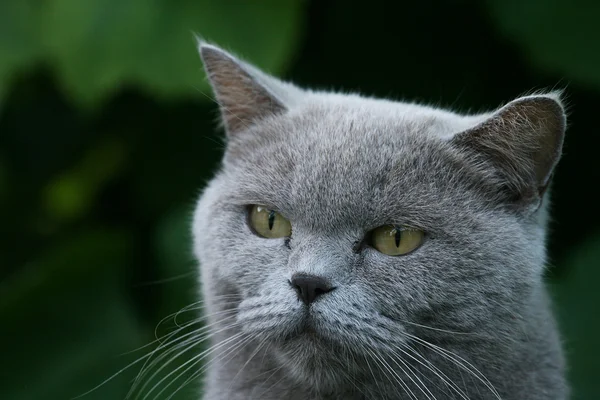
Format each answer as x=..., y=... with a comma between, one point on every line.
x=345, y=158
x=357, y=117
x=347, y=133
x=354, y=125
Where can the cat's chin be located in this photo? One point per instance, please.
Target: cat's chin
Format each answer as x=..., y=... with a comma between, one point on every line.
x=315, y=360
x=307, y=335
x=310, y=340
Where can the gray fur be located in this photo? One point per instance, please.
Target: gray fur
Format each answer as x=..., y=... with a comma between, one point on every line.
x=337, y=166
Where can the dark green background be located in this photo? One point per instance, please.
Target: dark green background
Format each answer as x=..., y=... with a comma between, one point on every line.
x=107, y=134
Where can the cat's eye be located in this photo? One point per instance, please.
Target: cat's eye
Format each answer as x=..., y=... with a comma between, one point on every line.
x=395, y=240
x=268, y=223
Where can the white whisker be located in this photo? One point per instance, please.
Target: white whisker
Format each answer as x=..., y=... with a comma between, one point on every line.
x=408, y=371
x=194, y=340
x=231, y=350
x=194, y=360
x=398, y=379
x=458, y=361
x=431, y=367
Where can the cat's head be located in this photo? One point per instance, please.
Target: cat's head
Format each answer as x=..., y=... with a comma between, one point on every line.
x=343, y=225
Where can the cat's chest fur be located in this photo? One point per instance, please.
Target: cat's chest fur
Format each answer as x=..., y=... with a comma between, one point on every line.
x=355, y=248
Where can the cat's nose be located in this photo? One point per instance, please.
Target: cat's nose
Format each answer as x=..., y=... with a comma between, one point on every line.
x=309, y=287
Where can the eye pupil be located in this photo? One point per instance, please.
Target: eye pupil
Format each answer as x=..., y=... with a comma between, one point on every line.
x=268, y=223
x=394, y=240
x=397, y=236
x=271, y=219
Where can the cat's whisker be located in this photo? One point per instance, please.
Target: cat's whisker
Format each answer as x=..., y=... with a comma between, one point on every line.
x=458, y=361
x=390, y=373
x=191, y=307
x=258, y=348
x=440, y=329
x=262, y=361
x=215, y=299
x=284, y=364
x=168, y=342
x=224, y=316
x=430, y=383
x=193, y=361
x=138, y=360
x=229, y=299
x=202, y=308
x=436, y=371
x=231, y=350
x=165, y=280
x=167, y=335
x=110, y=378
x=195, y=339
x=196, y=374
x=352, y=379
x=367, y=355
x=274, y=371
x=408, y=372
x=164, y=340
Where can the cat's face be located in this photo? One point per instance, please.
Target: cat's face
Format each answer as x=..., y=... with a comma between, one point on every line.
x=337, y=168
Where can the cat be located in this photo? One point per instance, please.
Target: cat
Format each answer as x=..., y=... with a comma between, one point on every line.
x=360, y=248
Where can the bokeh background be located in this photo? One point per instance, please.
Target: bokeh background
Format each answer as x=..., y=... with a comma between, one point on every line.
x=107, y=134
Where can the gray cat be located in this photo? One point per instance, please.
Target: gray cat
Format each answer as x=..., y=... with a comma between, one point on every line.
x=358, y=248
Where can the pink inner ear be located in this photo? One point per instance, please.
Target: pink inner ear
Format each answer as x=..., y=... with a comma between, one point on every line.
x=242, y=99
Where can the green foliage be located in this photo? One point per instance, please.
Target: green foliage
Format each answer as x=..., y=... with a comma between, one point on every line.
x=173, y=246
x=574, y=297
x=96, y=46
x=19, y=47
x=59, y=345
x=557, y=36
x=71, y=194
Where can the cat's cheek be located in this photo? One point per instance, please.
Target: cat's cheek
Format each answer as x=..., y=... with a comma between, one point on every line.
x=398, y=285
x=272, y=312
x=244, y=258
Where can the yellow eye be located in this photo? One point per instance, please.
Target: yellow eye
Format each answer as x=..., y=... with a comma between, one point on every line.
x=395, y=240
x=268, y=223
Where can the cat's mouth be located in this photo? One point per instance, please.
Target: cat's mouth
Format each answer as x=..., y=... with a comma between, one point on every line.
x=309, y=340
x=306, y=329
x=310, y=332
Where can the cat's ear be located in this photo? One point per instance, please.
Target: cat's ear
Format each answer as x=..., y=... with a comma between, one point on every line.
x=522, y=141
x=244, y=93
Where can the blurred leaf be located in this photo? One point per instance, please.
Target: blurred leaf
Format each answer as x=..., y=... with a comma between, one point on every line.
x=558, y=36
x=102, y=252
x=174, y=243
x=176, y=263
x=72, y=194
x=19, y=45
x=174, y=152
x=3, y=182
x=66, y=346
x=99, y=45
x=580, y=324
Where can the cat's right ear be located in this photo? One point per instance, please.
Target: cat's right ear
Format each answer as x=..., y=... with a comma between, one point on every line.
x=244, y=93
x=522, y=141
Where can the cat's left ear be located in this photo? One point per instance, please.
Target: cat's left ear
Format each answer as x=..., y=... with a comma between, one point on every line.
x=244, y=93
x=522, y=141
